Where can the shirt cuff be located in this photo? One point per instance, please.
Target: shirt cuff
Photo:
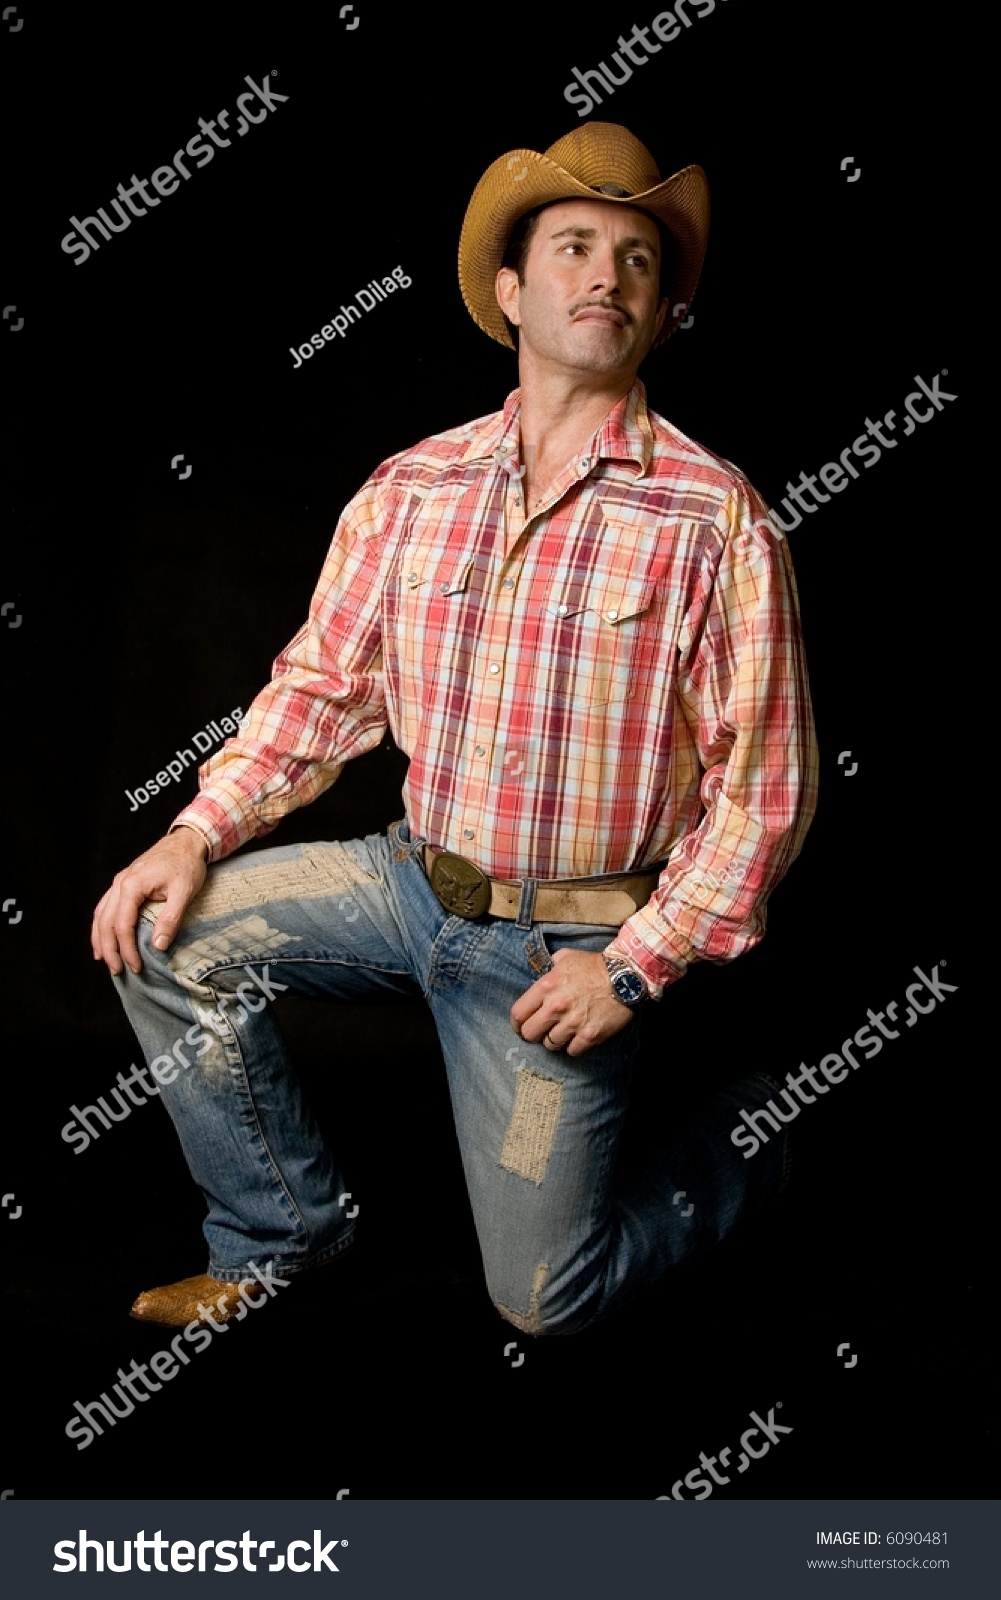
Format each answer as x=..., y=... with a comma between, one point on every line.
x=655, y=991
x=212, y=822
x=658, y=975
x=184, y=821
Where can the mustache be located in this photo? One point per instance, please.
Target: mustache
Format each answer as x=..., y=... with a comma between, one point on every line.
x=601, y=305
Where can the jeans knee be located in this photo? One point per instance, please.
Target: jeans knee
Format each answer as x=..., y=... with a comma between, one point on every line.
x=551, y=1310
x=535, y=1325
x=154, y=972
x=545, y=1322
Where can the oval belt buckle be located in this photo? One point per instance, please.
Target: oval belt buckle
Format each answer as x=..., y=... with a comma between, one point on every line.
x=460, y=886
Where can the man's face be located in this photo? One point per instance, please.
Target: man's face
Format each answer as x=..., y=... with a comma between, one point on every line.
x=591, y=300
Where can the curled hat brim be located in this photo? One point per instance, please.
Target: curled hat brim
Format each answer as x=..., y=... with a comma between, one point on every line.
x=522, y=180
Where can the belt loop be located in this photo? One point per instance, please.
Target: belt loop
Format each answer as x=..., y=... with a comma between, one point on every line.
x=414, y=843
x=526, y=905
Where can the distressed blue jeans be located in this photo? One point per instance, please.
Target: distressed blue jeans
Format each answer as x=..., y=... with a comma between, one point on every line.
x=563, y=1239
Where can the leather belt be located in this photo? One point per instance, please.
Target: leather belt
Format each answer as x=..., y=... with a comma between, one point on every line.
x=465, y=891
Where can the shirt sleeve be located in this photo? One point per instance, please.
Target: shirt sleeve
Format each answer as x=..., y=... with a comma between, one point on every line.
x=325, y=703
x=745, y=697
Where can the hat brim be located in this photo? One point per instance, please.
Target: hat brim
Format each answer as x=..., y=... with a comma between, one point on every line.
x=524, y=179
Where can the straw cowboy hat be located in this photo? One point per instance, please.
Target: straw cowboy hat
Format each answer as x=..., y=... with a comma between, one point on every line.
x=599, y=158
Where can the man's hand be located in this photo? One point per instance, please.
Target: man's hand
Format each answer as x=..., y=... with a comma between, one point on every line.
x=173, y=871
x=572, y=1007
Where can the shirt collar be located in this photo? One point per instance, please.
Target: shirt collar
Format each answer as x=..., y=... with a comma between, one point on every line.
x=625, y=435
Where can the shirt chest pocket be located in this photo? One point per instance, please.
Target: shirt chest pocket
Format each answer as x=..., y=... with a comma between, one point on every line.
x=434, y=595
x=598, y=637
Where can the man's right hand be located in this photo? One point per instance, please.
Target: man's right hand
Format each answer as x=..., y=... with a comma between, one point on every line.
x=172, y=871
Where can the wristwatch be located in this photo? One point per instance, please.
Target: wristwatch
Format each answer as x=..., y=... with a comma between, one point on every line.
x=627, y=985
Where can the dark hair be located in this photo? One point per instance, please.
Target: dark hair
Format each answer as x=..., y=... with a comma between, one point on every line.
x=516, y=253
x=520, y=238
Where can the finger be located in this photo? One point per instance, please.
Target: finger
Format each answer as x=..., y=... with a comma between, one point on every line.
x=107, y=938
x=132, y=894
x=525, y=1007
x=165, y=927
x=125, y=935
x=170, y=918
x=95, y=925
x=542, y=1024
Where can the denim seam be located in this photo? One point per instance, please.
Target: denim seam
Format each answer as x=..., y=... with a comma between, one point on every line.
x=270, y=1163
x=394, y=901
x=468, y=956
x=298, y=959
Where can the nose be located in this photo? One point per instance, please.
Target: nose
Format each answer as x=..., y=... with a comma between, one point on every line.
x=605, y=271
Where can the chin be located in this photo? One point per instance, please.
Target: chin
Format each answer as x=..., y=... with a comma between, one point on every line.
x=597, y=365
x=605, y=354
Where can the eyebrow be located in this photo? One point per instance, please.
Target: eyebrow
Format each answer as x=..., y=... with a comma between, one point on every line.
x=592, y=233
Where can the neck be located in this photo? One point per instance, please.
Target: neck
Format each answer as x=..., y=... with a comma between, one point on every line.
x=559, y=413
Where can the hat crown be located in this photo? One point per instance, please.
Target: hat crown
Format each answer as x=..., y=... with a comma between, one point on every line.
x=601, y=153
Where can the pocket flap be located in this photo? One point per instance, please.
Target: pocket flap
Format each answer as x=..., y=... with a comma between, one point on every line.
x=448, y=576
x=613, y=600
x=621, y=599
x=459, y=578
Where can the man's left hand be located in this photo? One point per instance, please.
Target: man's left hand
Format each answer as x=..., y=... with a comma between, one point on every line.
x=572, y=1007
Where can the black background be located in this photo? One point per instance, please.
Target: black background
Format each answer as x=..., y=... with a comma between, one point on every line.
x=150, y=605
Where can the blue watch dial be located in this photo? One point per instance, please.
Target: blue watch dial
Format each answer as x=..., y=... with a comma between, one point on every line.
x=629, y=987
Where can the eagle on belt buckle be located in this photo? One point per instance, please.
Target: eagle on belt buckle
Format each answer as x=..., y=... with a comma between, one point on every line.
x=460, y=886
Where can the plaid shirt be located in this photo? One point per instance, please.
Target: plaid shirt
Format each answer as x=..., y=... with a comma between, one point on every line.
x=614, y=683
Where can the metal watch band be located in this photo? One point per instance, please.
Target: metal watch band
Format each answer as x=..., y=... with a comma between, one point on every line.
x=627, y=984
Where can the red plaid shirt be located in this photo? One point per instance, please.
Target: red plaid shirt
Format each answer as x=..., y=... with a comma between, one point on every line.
x=616, y=682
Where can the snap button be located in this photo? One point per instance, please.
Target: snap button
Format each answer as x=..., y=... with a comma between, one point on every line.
x=611, y=615
x=509, y=582
x=494, y=667
x=467, y=833
x=479, y=751
x=412, y=578
x=563, y=610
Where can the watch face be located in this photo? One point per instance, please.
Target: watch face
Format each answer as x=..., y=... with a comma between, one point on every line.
x=629, y=987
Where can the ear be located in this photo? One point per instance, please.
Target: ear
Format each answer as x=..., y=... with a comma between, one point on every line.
x=506, y=288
